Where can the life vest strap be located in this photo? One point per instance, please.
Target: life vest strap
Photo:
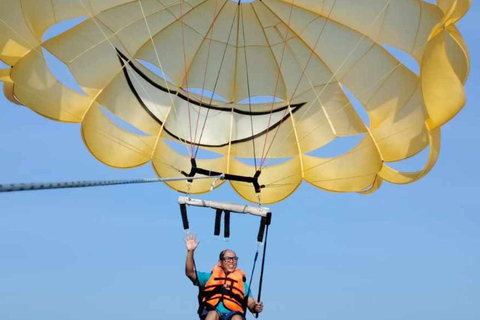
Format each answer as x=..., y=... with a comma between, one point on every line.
x=227, y=279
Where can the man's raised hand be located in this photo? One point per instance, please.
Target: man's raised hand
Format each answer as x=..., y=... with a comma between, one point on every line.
x=191, y=242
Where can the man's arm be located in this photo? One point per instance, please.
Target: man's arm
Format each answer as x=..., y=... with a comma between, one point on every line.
x=254, y=306
x=191, y=244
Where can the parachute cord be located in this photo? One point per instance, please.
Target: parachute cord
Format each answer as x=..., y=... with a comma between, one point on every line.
x=214, y=19
x=298, y=84
x=248, y=89
x=317, y=94
x=276, y=85
x=93, y=18
x=251, y=278
x=216, y=81
x=161, y=68
x=186, y=79
x=263, y=267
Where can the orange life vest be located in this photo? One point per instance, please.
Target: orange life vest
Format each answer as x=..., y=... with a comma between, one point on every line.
x=228, y=289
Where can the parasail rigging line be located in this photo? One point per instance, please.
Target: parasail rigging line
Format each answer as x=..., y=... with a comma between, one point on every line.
x=299, y=81
x=318, y=94
x=384, y=78
x=115, y=139
x=264, y=156
x=304, y=68
x=161, y=68
x=186, y=77
x=217, y=78
x=262, y=270
x=13, y=187
x=166, y=83
x=332, y=159
x=114, y=34
x=212, y=25
x=138, y=81
x=97, y=128
x=248, y=89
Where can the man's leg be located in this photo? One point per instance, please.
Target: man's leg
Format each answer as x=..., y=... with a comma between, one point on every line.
x=212, y=315
x=237, y=316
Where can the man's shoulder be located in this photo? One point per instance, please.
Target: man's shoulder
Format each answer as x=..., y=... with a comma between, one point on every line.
x=203, y=277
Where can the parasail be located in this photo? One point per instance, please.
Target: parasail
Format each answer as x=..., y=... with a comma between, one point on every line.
x=259, y=80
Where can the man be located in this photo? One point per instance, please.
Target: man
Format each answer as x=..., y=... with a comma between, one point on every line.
x=223, y=291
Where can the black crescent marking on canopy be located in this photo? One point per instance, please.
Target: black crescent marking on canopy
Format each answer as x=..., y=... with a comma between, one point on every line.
x=196, y=102
x=122, y=59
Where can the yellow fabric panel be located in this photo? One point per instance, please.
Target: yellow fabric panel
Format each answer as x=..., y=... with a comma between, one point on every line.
x=365, y=80
x=133, y=27
x=169, y=163
x=39, y=14
x=395, y=176
x=38, y=89
x=430, y=16
x=457, y=52
x=118, y=98
x=91, y=58
x=5, y=75
x=378, y=19
x=261, y=62
x=405, y=16
x=353, y=171
x=443, y=99
x=374, y=187
x=174, y=56
x=302, y=51
x=112, y=145
x=208, y=12
x=280, y=180
x=300, y=69
x=454, y=9
x=95, y=7
x=404, y=134
x=326, y=118
x=8, y=91
x=16, y=38
x=208, y=57
x=395, y=90
x=68, y=9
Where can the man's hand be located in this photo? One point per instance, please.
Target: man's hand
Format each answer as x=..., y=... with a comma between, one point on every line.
x=256, y=307
x=191, y=242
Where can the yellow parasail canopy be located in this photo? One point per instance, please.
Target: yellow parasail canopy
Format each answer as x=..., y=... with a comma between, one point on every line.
x=261, y=80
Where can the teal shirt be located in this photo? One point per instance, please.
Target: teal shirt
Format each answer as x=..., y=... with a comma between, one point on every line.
x=202, y=281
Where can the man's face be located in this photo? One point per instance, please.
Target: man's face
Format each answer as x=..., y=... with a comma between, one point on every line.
x=229, y=262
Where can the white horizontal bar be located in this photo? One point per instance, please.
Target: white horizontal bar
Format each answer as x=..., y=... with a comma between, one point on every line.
x=232, y=207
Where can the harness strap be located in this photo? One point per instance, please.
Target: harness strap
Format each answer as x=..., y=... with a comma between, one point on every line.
x=183, y=212
x=247, y=294
x=195, y=169
x=263, y=262
x=226, y=220
x=218, y=218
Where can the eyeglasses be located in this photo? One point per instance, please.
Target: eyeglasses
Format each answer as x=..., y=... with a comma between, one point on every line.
x=230, y=259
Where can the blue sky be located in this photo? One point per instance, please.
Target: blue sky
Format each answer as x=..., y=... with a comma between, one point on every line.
x=405, y=252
